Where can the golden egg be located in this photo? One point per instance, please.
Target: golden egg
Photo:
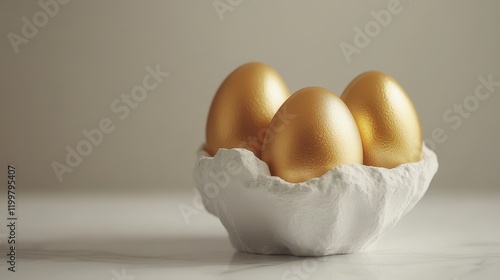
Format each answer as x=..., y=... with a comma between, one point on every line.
x=386, y=118
x=243, y=107
x=312, y=132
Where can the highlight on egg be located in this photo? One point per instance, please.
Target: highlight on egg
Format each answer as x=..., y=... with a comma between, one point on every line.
x=243, y=107
x=319, y=134
x=387, y=120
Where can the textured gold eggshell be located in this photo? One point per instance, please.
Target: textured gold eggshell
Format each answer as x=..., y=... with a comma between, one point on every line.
x=386, y=118
x=243, y=107
x=311, y=133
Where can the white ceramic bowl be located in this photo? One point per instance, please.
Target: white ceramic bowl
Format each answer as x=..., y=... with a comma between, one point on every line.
x=344, y=211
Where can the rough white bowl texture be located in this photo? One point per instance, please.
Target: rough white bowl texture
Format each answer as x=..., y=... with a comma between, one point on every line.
x=344, y=211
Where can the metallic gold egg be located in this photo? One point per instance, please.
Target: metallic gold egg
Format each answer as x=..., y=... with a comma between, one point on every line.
x=243, y=107
x=312, y=132
x=386, y=118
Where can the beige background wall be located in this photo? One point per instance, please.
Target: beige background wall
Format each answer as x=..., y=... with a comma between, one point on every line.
x=67, y=76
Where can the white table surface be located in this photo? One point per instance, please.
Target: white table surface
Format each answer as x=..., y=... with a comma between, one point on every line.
x=144, y=236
